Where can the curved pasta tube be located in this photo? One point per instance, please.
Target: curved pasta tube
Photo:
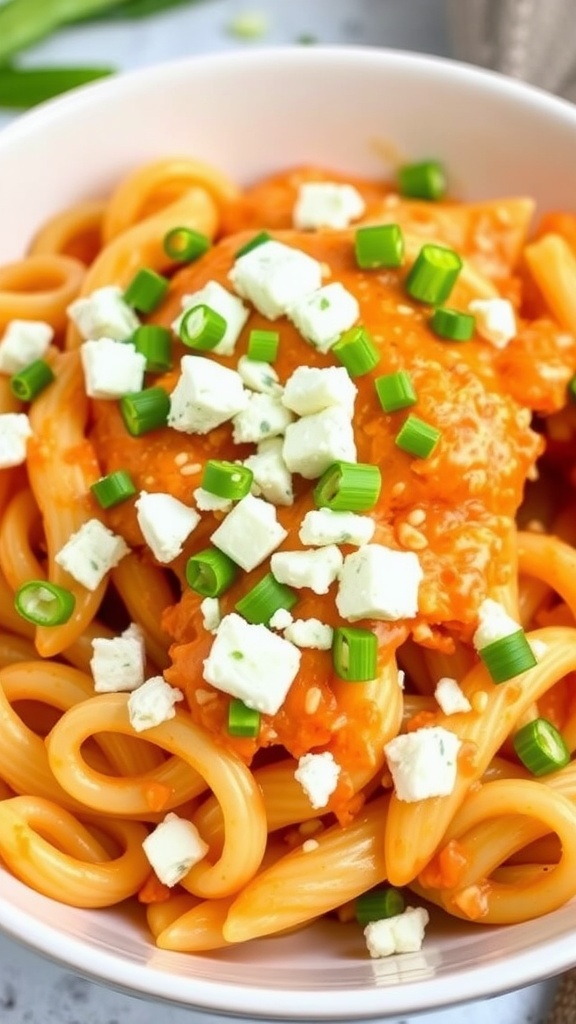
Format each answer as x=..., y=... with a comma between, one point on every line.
x=17, y=559
x=198, y=929
x=39, y=288
x=146, y=594
x=161, y=915
x=75, y=232
x=14, y=649
x=551, y=560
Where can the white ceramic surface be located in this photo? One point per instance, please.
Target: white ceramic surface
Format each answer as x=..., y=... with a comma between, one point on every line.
x=345, y=109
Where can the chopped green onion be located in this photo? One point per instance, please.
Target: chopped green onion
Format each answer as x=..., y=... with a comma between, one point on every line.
x=452, y=324
x=145, y=410
x=355, y=654
x=267, y=597
x=248, y=25
x=21, y=88
x=508, y=656
x=379, y=245
x=113, y=489
x=263, y=346
x=423, y=180
x=572, y=389
x=395, y=391
x=433, y=274
x=227, y=479
x=253, y=243
x=540, y=747
x=378, y=904
x=43, y=603
x=242, y=721
x=210, y=572
x=146, y=290
x=202, y=328
x=29, y=382
x=185, y=245
x=348, y=487
x=417, y=437
x=356, y=351
x=155, y=344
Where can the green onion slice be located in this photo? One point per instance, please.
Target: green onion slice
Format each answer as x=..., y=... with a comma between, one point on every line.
x=348, y=487
x=267, y=597
x=43, y=603
x=395, y=391
x=145, y=410
x=155, y=344
x=433, y=274
x=210, y=572
x=423, y=180
x=356, y=351
x=242, y=721
x=263, y=346
x=540, y=747
x=452, y=324
x=379, y=245
x=572, y=389
x=417, y=437
x=202, y=328
x=253, y=243
x=29, y=382
x=146, y=290
x=378, y=904
x=185, y=245
x=508, y=656
x=227, y=479
x=113, y=489
x=355, y=654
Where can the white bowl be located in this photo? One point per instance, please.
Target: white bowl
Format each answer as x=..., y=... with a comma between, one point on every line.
x=250, y=114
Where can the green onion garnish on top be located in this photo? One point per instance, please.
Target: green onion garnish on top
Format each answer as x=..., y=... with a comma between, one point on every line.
x=29, y=382
x=43, y=603
x=433, y=274
x=355, y=654
x=227, y=479
x=145, y=410
x=242, y=721
x=423, y=180
x=185, y=245
x=508, y=656
x=113, y=489
x=378, y=904
x=395, y=391
x=263, y=346
x=348, y=487
x=202, y=328
x=379, y=245
x=146, y=290
x=210, y=572
x=417, y=437
x=262, y=601
x=452, y=325
x=540, y=747
x=155, y=344
x=252, y=243
x=356, y=351
x=572, y=389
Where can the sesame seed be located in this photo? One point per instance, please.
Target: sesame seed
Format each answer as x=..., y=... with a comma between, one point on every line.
x=204, y=697
x=310, y=827
x=416, y=517
x=410, y=538
x=181, y=458
x=310, y=845
x=479, y=701
x=191, y=469
x=312, y=700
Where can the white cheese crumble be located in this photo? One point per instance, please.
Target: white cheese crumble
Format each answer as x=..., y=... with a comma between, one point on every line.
x=249, y=533
x=318, y=775
x=377, y=582
x=264, y=416
x=206, y=395
x=271, y=476
x=494, y=624
x=111, y=368
x=423, y=763
x=166, y=524
x=316, y=569
x=240, y=659
x=173, y=848
x=118, y=663
x=451, y=697
x=258, y=376
x=23, y=342
x=324, y=315
x=495, y=320
x=273, y=276
x=323, y=526
x=310, y=633
x=91, y=552
x=281, y=619
x=206, y=501
x=403, y=933
x=104, y=314
x=311, y=389
x=326, y=204
x=152, y=703
x=223, y=302
x=15, y=430
x=211, y=615
x=313, y=443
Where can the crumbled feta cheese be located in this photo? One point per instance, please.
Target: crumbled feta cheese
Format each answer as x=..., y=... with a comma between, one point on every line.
x=401, y=678
x=249, y=533
x=152, y=703
x=323, y=526
x=281, y=619
x=211, y=615
x=23, y=342
x=118, y=663
x=259, y=376
x=173, y=848
x=104, y=314
x=223, y=302
x=494, y=624
x=377, y=582
x=271, y=476
x=318, y=775
x=311, y=389
x=450, y=697
x=208, y=502
x=423, y=763
x=324, y=315
x=403, y=933
x=263, y=417
x=91, y=552
x=111, y=368
x=273, y=276
x=310, y=633
x=240, y=659
x=316, y=569
x=313, y=443
x=326, y=204
x=15, y=430
x=166, y=524
x=495, y=320
x=206, y=395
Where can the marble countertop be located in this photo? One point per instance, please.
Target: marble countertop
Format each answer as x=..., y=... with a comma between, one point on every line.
x=32, y=990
